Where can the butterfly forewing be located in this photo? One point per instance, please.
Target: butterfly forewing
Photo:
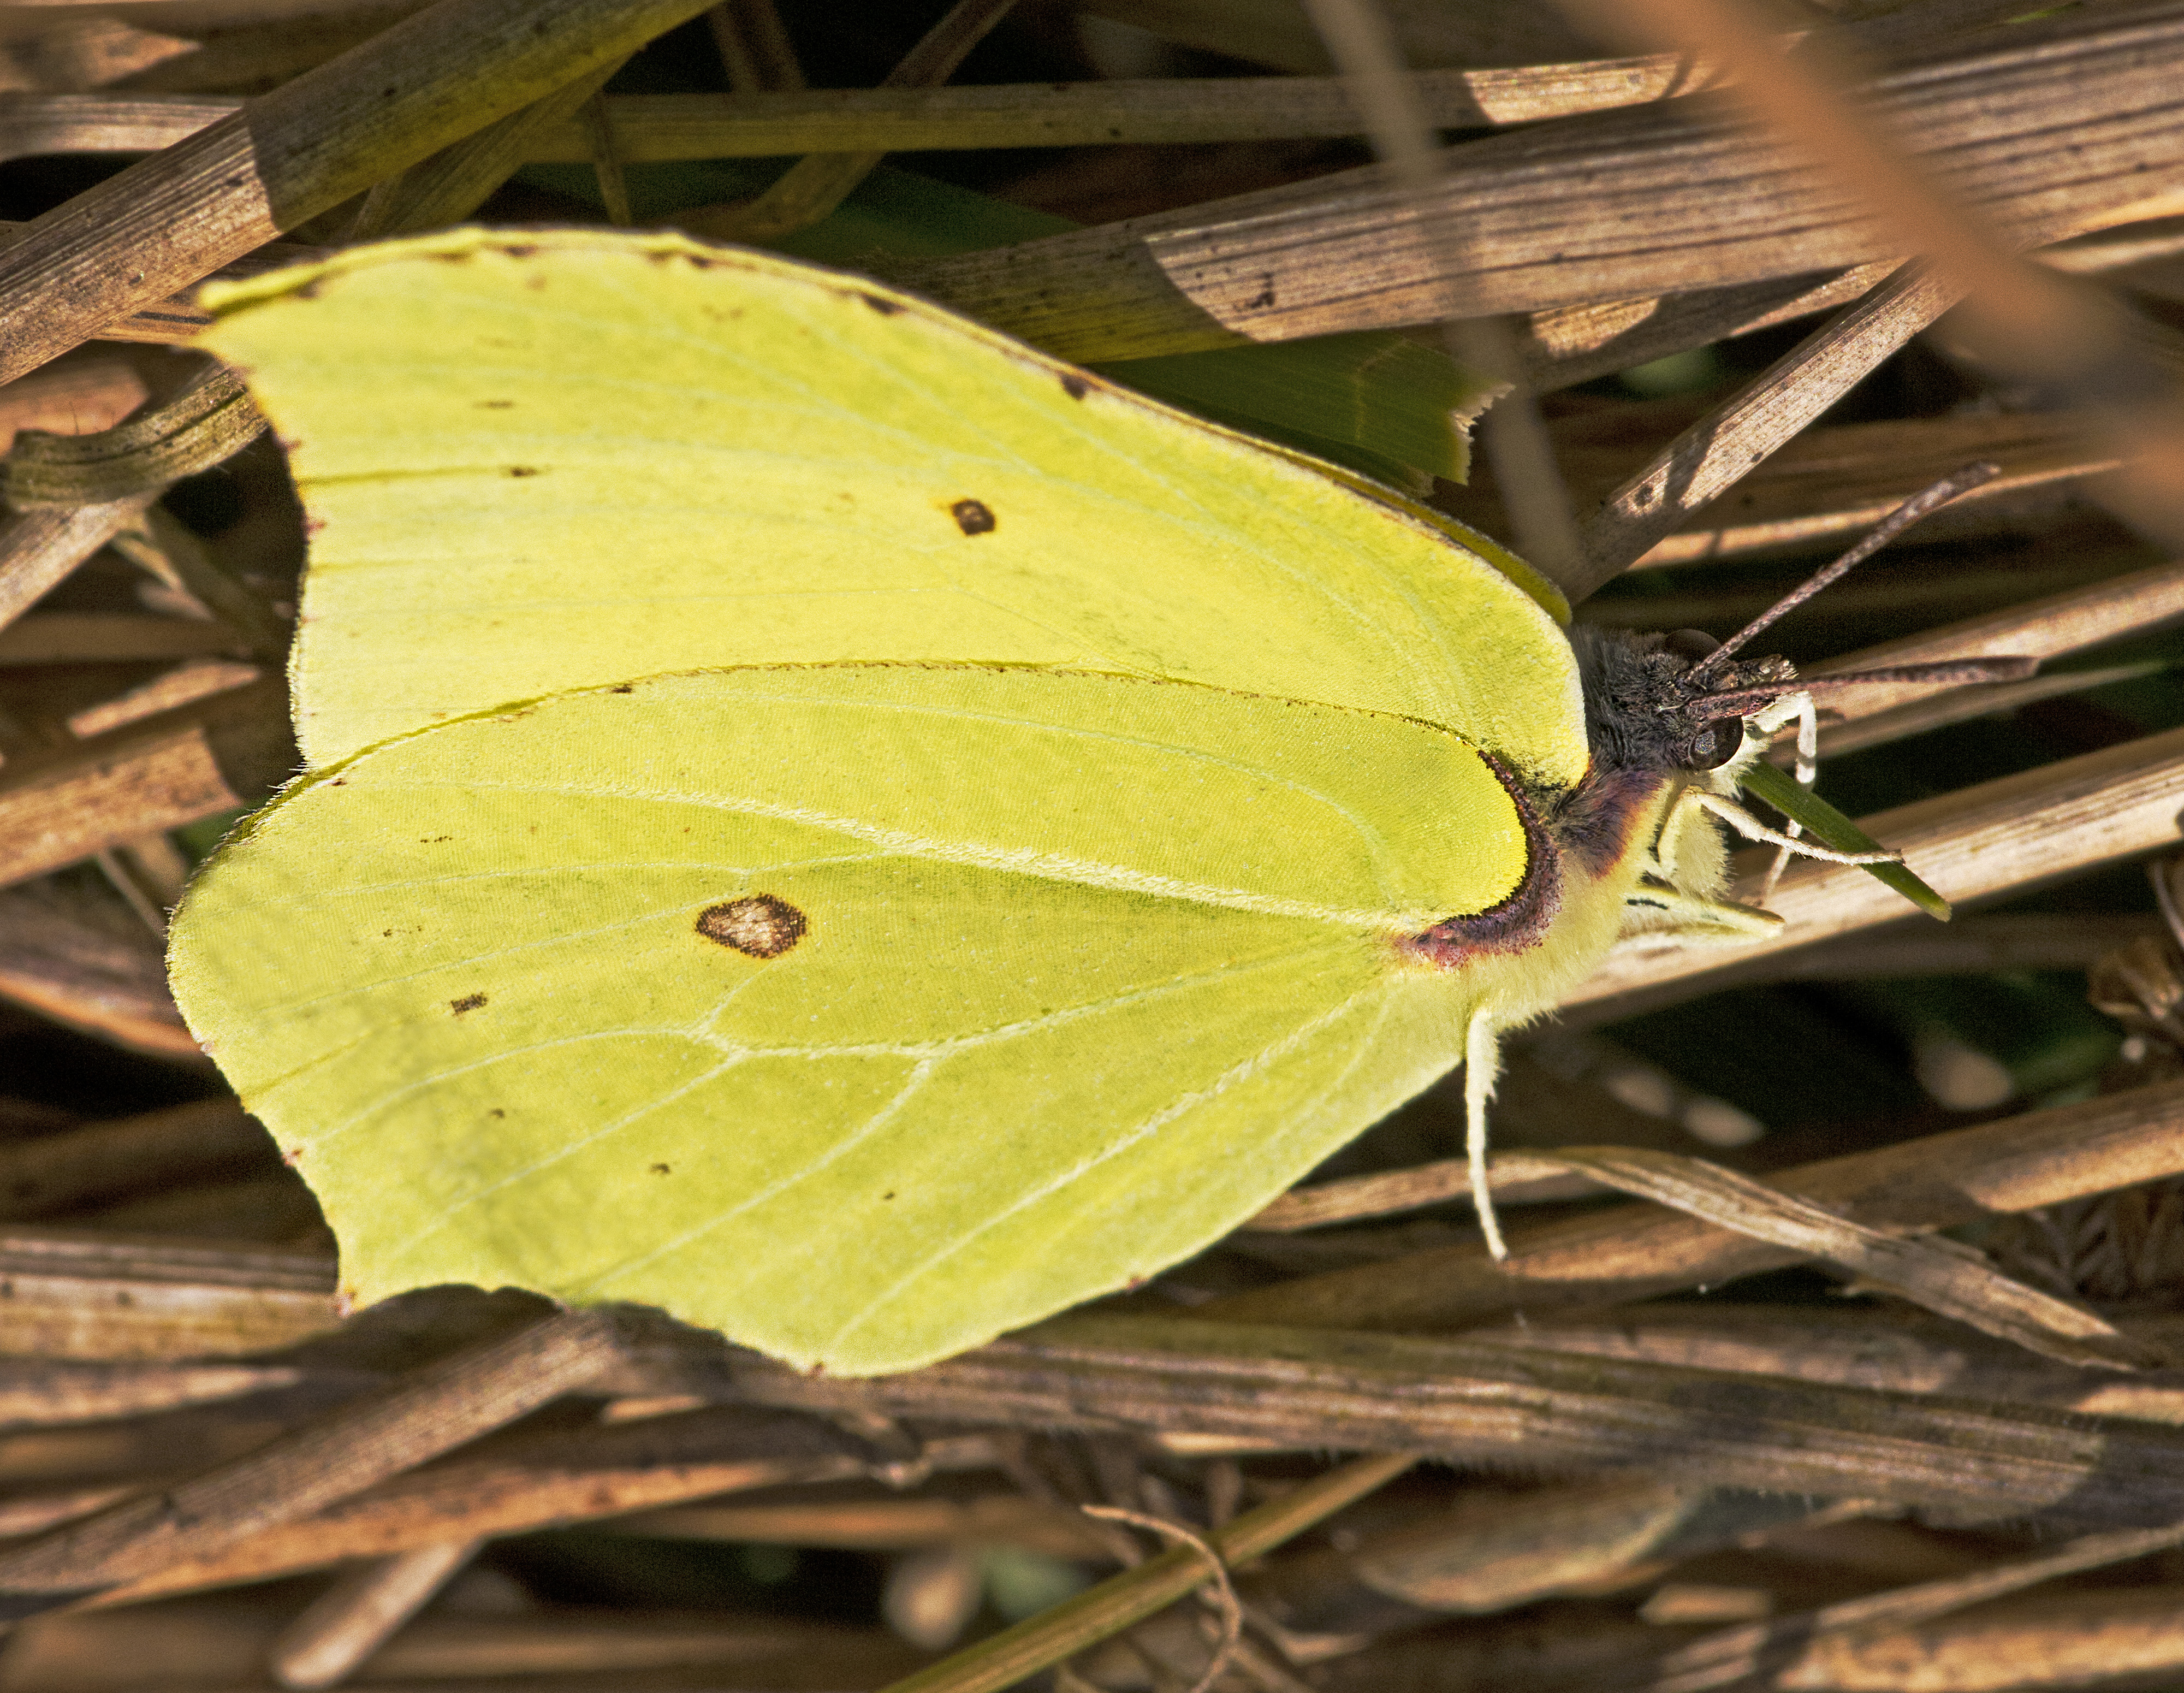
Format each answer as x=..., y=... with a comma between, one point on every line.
x=558, y=460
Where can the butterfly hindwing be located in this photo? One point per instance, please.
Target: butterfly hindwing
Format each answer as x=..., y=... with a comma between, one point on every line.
x=860, y=1012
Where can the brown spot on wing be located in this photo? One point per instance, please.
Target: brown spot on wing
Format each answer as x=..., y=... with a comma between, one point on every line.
x=974, y=517
x=468, y=1001
x=762, y=925
x=1074, y=385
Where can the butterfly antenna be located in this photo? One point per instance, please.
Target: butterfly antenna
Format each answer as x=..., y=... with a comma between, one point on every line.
x=1946, y=672
x=1894, y=525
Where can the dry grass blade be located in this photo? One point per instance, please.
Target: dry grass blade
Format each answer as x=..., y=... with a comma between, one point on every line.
x=1720, y=1660
x=2121, y=1637
x=82, y=638
x=2056, y=627
x=167, y=542
x=1515, y=1177
x=222, y=1642
x=2065, y=1640
x=2114, y=249
x=1889, y=1347
x=606, y=161
x=2016, y=833
x=240, y=44
x=1732, y=1458
x=1566, y=345
x=548, y=1482
x=1046, y=1639
x=1826, y=484
x=1487, y=33
x=38, y=1392
x=35, y=124
x=215, y=755
x=90, y=391
x=287, y=155
x=1967, y=945
x=177, y=320
x=754, y=48
x=820, y=181
x=37, y=549
x=1482, y=1553
x=45, y=1464
x=1793, y=94
x=85, y=1296
x=1936, y=1183
x=1708, y=458
x=207, y=422
x=1668, y=198
x=96, y=1161
x=2025, y=319
x=662, y=128
x=2053, y=626
x=454, y=183
x=900, y=1524
x=1283, y=38
x=1961, y=705
x=358, y=1614
x=1938, y=1275
x=441, y=1406
x=170, y=690
x=1402, y=133
x=79, y=54
x=63, y=954
x=1476, y=1402
x=2017, y=317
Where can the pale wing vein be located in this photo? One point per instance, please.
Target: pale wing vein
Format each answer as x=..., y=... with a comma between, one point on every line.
x=872, y=1125
x=1058, y=867
x=1130, y=1139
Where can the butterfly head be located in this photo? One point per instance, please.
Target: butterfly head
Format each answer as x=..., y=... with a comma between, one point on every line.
x=1666, y=705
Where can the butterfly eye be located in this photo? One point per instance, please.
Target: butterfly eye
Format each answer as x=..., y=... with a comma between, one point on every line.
x=1712, y=744
x=1691, y=644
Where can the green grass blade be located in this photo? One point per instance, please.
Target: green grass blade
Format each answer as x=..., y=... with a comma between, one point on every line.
x=1830, y=828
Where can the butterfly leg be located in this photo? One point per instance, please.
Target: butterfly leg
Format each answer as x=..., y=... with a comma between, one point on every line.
x=1679, y=891
x=1482, y=1067
x=1682, y=829
x=1751, y=829
x=1808, y=772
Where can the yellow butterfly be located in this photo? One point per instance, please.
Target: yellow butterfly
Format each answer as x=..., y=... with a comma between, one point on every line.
x=828, y=821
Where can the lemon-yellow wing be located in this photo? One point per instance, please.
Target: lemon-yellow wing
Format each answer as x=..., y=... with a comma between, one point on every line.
x=860, y=1012
x=553, y=459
